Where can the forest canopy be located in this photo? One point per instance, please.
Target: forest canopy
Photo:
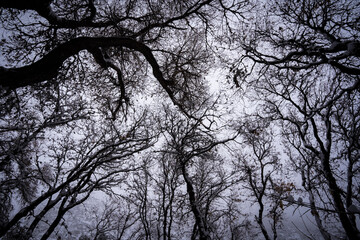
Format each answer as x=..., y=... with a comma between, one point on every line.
x=171, y=119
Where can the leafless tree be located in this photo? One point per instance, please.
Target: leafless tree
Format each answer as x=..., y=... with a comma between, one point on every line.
x=114, y=220
x=191, y=146
x=260, y=165
x=308, y=71
x=71, y=72
x=49, y=37
x=72, y=170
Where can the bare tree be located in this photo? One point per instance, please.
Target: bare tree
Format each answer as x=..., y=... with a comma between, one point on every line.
x=77, y=87
x=114, y=36
x=71, y=72
x=73, y=170
x=170, y=207
x=192, y=148
x=259, y=164
x=308, y=70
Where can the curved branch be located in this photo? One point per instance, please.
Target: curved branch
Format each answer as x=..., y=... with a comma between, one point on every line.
x=293, y=59
x=47, y=67
x=345, y=69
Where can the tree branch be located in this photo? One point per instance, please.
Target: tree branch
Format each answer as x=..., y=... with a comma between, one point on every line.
x=47, y=67
x=43, y=8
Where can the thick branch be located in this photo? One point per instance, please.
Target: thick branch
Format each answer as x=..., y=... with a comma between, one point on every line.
x=296, y=60
x=199, y=219
x=47, y=67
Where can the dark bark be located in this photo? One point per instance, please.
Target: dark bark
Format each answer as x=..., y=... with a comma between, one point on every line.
x=334, y=189
x=200, y=221
x=259, y=196
x=38, y=218
x=56, y=221
x=47, y=67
